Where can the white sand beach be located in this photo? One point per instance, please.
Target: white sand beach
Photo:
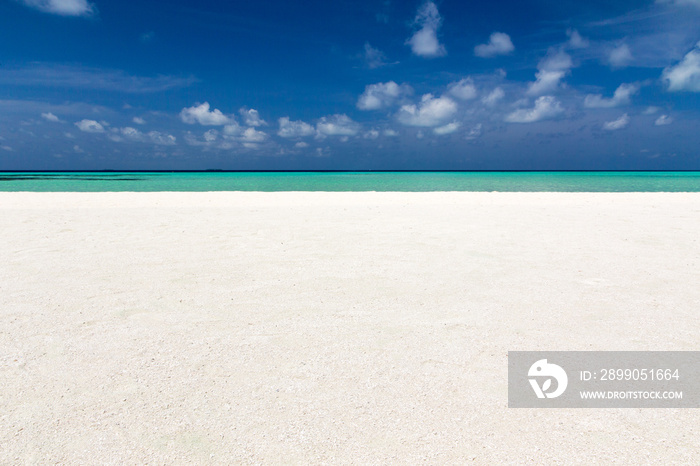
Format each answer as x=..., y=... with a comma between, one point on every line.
x=171, y=328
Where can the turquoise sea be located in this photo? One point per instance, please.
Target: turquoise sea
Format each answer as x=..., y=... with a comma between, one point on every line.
x=351, y=181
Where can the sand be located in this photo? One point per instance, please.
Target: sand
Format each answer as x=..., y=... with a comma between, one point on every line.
x=161, y=328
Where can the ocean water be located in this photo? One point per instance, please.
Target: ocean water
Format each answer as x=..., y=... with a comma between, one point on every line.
x=351, y=181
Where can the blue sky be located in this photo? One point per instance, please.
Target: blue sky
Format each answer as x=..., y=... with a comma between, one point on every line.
x=548, y=84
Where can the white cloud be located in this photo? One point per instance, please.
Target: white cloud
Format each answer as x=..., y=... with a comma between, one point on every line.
x=424, y=42
x=251, y=135
x=90, y=126
x=429, y=112
x=201, y=114
x=390, y=133
x=134, y=135
x=552, y=70
x=650, y=110
x=294, y=129
x=382, y=95
x=475, y=132
x=232, y=129
x=617, y=124
x=556, y=60
x=374, y=58
x=50, y=117
x=337, y=125
x=7, y=148
x=371, y=134
x=494, y=97
x=546, y=107
x=251, y=117
x=211, y=135
x=663, y=120
x=575, y=39
x=464, y=89
x=139, y=121
x=620, y=56
x=63, y=7
x=229, y=137
x=620, y=97
x=684, y=76
x=301, y=145
x=499, y=44
x=162, y=139
x=546, y=82
x=447, y=129
x=130, y=133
